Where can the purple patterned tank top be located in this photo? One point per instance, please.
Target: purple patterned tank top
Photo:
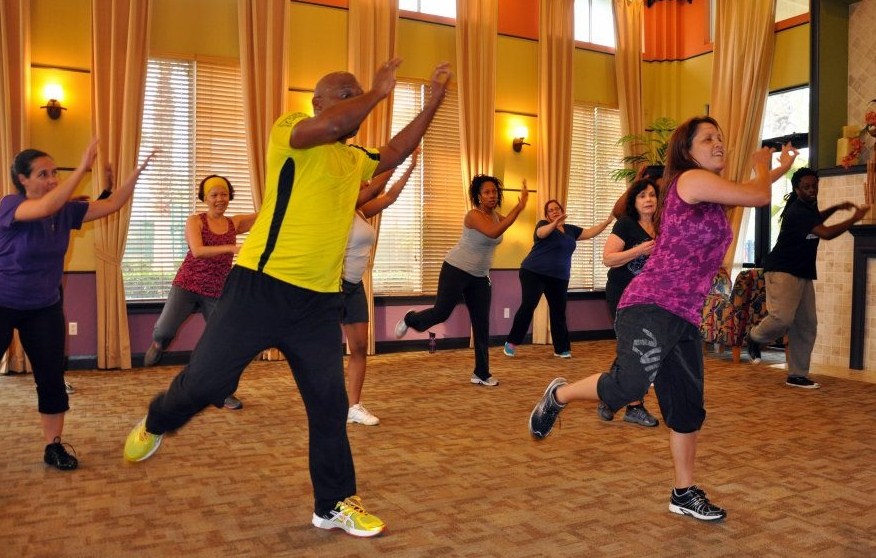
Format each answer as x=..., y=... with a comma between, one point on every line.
x=690, y=246
x=206, y=276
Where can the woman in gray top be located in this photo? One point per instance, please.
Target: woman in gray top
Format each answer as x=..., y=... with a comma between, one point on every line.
x=466, y=271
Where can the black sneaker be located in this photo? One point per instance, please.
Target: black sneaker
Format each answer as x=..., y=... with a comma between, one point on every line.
x=604, y=412
x=801, y=382
x=693, y=502
x=638, y=414
x=545, y=413
x=753, y=351
x=57, y=456
x=153, y=355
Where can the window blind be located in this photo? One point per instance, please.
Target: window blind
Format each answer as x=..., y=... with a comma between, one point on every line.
x=417, y=231
x=193, y=115
x=592, y=193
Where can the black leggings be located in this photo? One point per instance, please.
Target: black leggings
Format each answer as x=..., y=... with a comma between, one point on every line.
x=533, y=285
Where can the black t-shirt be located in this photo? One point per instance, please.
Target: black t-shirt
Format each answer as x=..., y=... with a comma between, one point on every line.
x=632, y=233
x=796, y=248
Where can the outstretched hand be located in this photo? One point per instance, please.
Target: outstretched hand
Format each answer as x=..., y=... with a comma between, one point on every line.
x=384, y=79
x=788, y=155
x=524, y=195
x=861, y=210
x=90, y=154
x=440, y=80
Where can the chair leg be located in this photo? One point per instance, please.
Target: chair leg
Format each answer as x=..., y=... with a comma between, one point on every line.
x=737, y=354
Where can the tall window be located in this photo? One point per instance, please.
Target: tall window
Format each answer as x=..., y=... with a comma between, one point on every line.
x=193, y=114
x=594, y=22
x=592, y=193
x=786, y=118
x=425, y=222
x=444, y=8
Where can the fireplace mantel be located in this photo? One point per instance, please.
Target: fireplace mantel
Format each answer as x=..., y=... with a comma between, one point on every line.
x=865, y=248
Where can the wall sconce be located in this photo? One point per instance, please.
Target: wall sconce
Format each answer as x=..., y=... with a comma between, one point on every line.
x=518, y=143
x=53, y=106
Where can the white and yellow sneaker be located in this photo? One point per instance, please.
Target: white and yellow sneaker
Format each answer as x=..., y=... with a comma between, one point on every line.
x=350, y=515
x=141, y=444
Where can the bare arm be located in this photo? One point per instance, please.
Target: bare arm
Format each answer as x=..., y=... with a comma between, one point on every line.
x=54, y=199
x=614, y=255
x=404, y=142
x=373, y=187
x=596, y=229
x=195, y=240
x=485, y=225
x=833, y=231
x=545, y=230
x=378, y=204
x=243, y=223
x=101, y=208
x=700, y=185
x=341, y=119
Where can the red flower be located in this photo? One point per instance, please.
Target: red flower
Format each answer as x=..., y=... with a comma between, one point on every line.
x=855, y=146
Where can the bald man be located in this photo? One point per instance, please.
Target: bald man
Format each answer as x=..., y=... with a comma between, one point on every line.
x=285, y=289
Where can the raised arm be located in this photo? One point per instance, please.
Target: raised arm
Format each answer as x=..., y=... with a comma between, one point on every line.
x=596, y=229
x=53, y=200
x=403, y=143
x=545, y=230
x=119, y=197
x=833, y=231
x=485, y=225
x=373, y=187
x=378, y=204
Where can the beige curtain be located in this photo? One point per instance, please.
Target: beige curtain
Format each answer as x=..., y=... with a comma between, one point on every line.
x=120, y=38
x=14, y=96
x=371, y=31
x=628, y=66
x=556, y=47
x=476, y=36
x=744, y=44
x=262, y=37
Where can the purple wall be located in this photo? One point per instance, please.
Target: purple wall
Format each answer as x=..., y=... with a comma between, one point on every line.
x=80, y=306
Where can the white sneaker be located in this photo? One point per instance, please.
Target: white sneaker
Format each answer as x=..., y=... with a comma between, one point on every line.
x=491, y=381
x=401, y=328
x=69, y=388
x=360, y=414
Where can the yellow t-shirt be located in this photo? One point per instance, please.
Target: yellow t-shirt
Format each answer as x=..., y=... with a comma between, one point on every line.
x=310, y=197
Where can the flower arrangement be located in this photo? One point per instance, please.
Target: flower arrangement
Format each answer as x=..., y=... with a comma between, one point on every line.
x=855, y=147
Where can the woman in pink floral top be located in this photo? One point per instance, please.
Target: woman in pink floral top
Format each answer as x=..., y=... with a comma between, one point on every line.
x=212, y=239
x=658, y=318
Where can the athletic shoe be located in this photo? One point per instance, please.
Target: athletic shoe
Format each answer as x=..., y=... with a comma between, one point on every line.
x=233, y=403
x=604, y=412
x=510, y=350
x=564, y=354
x=637, y=414
x=801, y=382
x=693, y=502
x=753, y=351
x=141, y=444
x=360, y=414
x=491, y=381
x=56, y=455
x=351, y=516
x=153, y=355
x=69, y=388
x=401, y=328
x=546, y=411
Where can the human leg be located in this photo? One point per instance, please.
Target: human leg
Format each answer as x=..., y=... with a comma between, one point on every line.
x=180, y=305
x=801, y=338
x=477, y=294
x=556, y=292
x=783, y=293
x=357, y=343
x=531, y=289
x=451, y=281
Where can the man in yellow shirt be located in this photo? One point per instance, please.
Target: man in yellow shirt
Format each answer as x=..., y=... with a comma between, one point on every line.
x=285, y=290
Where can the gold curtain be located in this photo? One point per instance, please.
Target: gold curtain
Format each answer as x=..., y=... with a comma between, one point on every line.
x=14, y=97
x=744, y=44
x=371, y=31
x=476, y=36
x=120, y=39
x=628, y=66
x=556, y=47
x=262, y=37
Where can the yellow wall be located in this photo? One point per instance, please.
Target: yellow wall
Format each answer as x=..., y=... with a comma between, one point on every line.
x=194, y=28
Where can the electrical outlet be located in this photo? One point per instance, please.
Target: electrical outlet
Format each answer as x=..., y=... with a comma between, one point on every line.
x=73, y=328
x=507, y=312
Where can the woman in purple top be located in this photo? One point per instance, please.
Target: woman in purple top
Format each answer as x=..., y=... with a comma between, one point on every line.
x=658, y=317
x=35, y=225
x=212, y=240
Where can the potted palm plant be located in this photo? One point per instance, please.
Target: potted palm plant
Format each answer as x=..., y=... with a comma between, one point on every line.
x=648, y=149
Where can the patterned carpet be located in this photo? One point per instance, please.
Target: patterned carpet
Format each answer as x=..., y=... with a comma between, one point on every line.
x=451, y=468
